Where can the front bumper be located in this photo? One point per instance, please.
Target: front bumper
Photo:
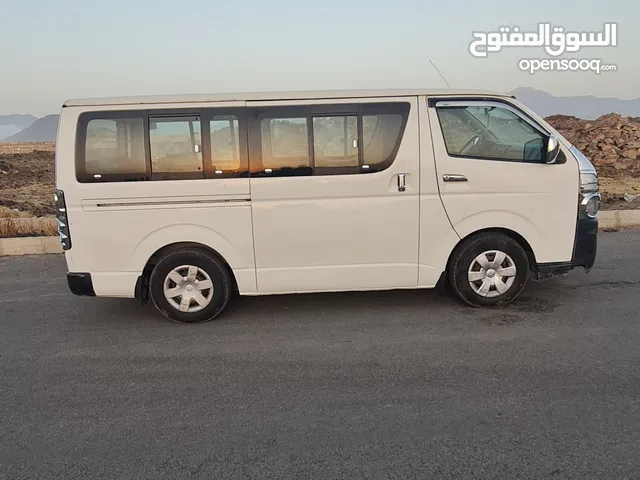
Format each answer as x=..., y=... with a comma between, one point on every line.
x=585, y=249
x=81, y=284
x=586, y=244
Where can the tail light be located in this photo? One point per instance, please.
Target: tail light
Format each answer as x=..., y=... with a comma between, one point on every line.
x=61, y=217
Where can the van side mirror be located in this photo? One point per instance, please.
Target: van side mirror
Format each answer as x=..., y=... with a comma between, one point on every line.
x=553, y=150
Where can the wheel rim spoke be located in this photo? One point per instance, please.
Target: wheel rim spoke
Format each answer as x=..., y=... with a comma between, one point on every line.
x=476, y=276
x=501, y=287
x=499, y=258
x=200, y=300
x=191, y=276
x=486, y=286
x=176, y=277
x=204, y=285
x=184, y=303
x=173, y=292
x=484, y=261
x=507, y=271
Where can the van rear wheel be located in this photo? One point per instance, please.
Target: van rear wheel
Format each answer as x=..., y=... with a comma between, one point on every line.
x=189, y=285
x=489, y=269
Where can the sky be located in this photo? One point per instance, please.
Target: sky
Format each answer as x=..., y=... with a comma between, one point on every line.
x=54, y=50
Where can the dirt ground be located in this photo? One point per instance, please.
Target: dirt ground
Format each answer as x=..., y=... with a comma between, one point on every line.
x=613, y=189
x=27, y=182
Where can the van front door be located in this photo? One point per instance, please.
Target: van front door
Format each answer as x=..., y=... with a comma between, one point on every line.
x=492, y=173
x=334, y=194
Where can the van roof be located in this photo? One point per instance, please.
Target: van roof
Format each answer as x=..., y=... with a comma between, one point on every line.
x=275, y=95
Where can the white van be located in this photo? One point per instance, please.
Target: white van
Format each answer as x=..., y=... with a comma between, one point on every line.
x=186, y=199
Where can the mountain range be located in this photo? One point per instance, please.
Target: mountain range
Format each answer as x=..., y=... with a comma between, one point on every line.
x=586, y=107
x=12, y=124
x=42, y=129
x=27, y=128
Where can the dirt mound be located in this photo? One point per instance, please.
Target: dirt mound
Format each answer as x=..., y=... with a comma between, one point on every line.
x=27, y=182
x=611, y=142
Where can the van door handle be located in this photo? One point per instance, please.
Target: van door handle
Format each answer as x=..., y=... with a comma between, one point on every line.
x=401, y=182
x=454, y=178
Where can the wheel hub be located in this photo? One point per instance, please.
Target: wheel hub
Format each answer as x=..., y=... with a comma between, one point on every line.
x=492, y=273
x=188, y=288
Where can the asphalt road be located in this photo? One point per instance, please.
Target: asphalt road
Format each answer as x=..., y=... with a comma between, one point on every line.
x=399, y=385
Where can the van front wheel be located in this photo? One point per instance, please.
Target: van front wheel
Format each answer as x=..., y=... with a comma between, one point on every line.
x=489, y=269
x=190, y=286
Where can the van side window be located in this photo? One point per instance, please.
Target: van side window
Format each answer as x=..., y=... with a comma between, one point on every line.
x=176, y=146
x=224, y=131
x=489, y=132
x=113, y=146
x=285, y=145
x=382, y=129
x=335, y=144
x=325, y=139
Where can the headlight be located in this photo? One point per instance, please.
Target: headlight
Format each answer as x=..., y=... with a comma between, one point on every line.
x=591, y=205
x=588, y=182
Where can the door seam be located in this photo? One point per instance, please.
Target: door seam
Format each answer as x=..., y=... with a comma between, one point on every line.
x=435, y=166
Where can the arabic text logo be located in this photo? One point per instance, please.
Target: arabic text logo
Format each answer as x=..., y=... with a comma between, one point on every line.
x=554, y=40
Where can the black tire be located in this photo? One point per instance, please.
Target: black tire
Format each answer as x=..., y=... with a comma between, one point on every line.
x=214, y=268
x=465, y=254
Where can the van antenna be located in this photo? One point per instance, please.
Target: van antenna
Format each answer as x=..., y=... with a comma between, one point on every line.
x=445, y=80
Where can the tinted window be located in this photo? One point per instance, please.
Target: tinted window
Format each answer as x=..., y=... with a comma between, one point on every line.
x=285, y=143
x=356, y=139
x=225, y=145
x=175, y=145
x=320, y=139
x=335, y=142
x=381, y=134
x=491, y=133
x=114, y=147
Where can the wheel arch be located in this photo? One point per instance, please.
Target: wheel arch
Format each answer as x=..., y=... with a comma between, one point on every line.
x=443, y=282
x=142, y=285
x=526, y=246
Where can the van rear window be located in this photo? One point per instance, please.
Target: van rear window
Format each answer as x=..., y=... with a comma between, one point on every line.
x=115, y=146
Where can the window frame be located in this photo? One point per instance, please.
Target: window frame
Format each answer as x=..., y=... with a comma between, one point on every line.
x=256, y=156
x=443, y=104
x=205, y=115
x=342, y=169
x=359, y=109
x=175, y=114
x=81, y=142
x=336, y=110
x=249, y=138
x=384, y=108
